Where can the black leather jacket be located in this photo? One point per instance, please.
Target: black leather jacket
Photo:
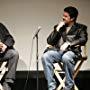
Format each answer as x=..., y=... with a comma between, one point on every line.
x=77, y=36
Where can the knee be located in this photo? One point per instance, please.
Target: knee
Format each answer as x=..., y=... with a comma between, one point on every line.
x=15, y=54
x=44, y=58
x=65, y=59
x=47, y=58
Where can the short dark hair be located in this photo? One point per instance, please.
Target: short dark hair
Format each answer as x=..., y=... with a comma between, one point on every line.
x=73, y=12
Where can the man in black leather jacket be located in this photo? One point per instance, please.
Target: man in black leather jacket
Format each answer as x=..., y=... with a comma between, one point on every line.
x=9, y=54
x=64, y=45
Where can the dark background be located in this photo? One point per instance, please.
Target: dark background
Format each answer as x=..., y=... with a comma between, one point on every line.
x=82, y=81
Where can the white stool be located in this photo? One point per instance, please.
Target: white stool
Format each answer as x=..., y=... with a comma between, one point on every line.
x=3, y=69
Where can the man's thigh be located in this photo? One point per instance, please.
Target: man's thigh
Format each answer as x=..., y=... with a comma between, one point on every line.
x=9, y=54
x=54, y=56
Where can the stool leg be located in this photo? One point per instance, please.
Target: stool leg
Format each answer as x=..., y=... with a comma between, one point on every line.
x=76, y=88
x=1, y=87
x=62, y=85
x=3, y=69
x=60, y=80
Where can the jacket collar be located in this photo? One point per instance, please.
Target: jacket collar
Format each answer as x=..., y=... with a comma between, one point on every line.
x=73, y=28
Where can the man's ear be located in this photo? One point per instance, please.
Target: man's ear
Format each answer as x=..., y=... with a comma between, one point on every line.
x=72, y=19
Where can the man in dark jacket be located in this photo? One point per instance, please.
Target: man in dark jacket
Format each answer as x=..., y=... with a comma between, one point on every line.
x=9, y=54
x=64, y=46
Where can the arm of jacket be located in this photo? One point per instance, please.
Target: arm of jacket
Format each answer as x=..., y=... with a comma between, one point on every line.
x=7, y=38
x=83, y=36
x=53, y=37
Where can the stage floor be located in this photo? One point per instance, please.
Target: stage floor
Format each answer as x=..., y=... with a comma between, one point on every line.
x=82, y=80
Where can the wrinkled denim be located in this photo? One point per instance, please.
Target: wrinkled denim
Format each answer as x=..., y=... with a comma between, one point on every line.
x=67, y=58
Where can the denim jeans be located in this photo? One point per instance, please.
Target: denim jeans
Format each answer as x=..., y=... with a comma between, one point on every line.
x=67, y=58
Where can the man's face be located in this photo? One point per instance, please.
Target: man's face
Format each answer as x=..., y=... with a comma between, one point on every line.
x=66, y=18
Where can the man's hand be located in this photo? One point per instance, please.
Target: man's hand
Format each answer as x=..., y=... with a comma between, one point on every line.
x=60, y=25
x=65, y=46
x=49, y=46
x=2, y=47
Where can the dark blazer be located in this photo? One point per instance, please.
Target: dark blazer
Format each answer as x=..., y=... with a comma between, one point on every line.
x=76, y=36
x=6, y=37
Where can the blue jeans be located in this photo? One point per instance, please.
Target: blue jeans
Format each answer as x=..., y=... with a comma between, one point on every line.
x=67, y=58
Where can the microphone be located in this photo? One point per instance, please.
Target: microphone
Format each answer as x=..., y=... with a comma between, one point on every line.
x=39, y=28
